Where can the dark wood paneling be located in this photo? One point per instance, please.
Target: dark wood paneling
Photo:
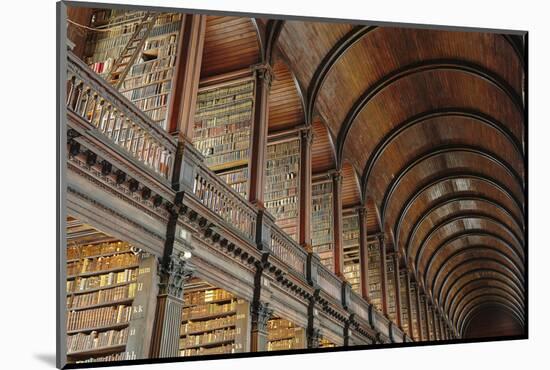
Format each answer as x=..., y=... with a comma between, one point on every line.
x=322, y=150
x=350, y=186
x=492, y=322
x=231, y=43
x=285, y=106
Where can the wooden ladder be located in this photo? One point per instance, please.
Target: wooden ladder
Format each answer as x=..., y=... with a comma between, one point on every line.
x=121, y=66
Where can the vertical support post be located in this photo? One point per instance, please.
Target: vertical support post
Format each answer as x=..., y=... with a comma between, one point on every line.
x=427, y=314
x=166, y=335
x=185, y=84
x=419, y=314
x=304, y=230
x=397, y=286
x=363, y=253
x=263, y=76
x=337, y=223
x=383, y=275
x=409, y=301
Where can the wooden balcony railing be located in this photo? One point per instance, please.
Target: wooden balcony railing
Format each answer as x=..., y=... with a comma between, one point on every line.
x=329, y=282
x=288, y=250
x=359, y=306
x=114, y=117
x=218, y=197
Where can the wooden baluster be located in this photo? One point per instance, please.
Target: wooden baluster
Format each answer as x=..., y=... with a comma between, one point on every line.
x=105, y=109
x=70, y=89
x=93, y=111
x=130, y=135
x=81, y=108
x=78, y=97
x=146, y=148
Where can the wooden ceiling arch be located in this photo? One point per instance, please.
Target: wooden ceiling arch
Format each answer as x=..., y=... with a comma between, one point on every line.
x=482, y=292
x=435, y=121
x=465, y=287
x=493, y=258
x=476, y=274
x=439, y=228
x=486, y=313
x=466, y=205
x=483, y=300
x=468, y=185
x=505, y=250
x=479, y=153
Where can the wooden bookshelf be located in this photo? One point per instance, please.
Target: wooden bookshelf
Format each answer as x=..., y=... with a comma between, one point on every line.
x=391, y=299
x=222, y=130
x=283, y=334
x=214, y=321
x=101, y=287
x=322, y=239
x=282, y=184
x=350, y=241
x=404, y=302
x=375, y=286
x=148, y=82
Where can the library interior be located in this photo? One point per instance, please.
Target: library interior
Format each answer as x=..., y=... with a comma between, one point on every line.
x=238, y=184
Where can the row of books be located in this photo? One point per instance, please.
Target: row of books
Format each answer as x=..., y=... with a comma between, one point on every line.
x=114, y=357
x=207, y=337
x=325, y=343
x=152, y=102
x=164, y=42
x=352, y=273
x=94, y=340
x=151, y=66
x=82, y=284
x=237, y=179
x=102, y=296
x=76, y=252
x=221, y=159
x=278, y=345
x=205, y=296
x=221, y=125
x=282, y=184
x=216, y=93
x=217, y=323
x=99, y=264
x=226, y=109
x=200, y=351
x=238, y=141
x=98, y=317
x=190, y=312
x=148, y=91
x=146, y=79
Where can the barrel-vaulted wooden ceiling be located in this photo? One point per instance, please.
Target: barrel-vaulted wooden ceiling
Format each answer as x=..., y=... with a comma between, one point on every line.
x=428, y=130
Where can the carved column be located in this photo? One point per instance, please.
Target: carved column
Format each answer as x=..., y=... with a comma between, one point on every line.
x=304, y=230
x=260, y=314
x=263, y=76
x=437, y=326
x=185, y=84
x=363, y=253
x=442, y=328
x=337, y=223
x=419, y=314
x=383, y=275
x=409, y=302
x=397, y=285
x=166, y=335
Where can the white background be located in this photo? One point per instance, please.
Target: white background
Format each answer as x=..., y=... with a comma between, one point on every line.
x=27, y=152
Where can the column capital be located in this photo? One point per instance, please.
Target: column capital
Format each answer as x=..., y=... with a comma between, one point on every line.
x=174, y=274
x=260, y=315
x=264, y=72
x=337, y=176
x=362, y=211
x=306, y=135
